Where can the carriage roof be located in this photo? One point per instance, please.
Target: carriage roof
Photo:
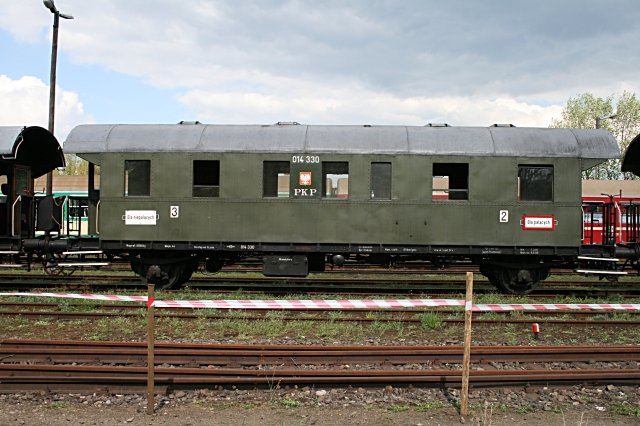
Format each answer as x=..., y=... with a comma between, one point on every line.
x=342, y=139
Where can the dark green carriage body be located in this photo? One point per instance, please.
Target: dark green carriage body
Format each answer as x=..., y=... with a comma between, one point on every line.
x=241, y=214
x=412, y=220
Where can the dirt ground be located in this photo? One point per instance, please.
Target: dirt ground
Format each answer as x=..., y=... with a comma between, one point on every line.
x=38, y=414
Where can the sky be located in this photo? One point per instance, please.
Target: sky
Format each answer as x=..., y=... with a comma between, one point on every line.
x=403, y=62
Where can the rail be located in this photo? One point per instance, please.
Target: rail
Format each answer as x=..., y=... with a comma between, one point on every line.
x=89, y=365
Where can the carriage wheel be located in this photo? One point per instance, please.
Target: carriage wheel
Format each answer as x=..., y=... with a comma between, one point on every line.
x=515, y=280
x=165, y=275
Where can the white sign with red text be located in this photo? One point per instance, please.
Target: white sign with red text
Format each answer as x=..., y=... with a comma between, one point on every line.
x=538, y=223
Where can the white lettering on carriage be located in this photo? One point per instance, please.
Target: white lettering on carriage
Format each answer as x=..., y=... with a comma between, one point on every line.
x=304, y=192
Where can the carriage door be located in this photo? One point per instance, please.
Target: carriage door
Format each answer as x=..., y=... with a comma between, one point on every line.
x=93, y=208
x=22, y=202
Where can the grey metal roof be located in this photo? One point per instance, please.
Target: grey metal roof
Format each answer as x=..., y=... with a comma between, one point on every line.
x=476, y=141
x=8, y=138
x=31, y=146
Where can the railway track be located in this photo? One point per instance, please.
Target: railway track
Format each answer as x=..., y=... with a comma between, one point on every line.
x=322, y=284
x=65, y=366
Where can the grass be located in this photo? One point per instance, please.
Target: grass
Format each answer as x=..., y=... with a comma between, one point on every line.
x=57, y=405
x=625, y=409
x=289, y=403
x=431, y=320
x=429, y=405
x=398, y=408
x=524, y=409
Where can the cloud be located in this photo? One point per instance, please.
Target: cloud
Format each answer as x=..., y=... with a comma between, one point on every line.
x=26, y=20
x=406, y=62
x=25, y=102
x=352, y=105
x=462, y=49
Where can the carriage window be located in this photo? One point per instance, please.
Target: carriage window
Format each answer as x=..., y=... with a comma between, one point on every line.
x=535, y=183
x=4, y=189
x=275, y=179
x=96, y=178
x=206, y=178
x=137, y=178
x=450, y=181
x=335, y=179
x=380, y=181
x=78, y=207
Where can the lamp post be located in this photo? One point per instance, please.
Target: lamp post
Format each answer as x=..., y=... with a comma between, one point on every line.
x=598, y=126
x=52, y=76
x=604, y=117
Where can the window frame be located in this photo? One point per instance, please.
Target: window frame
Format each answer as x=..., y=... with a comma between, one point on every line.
x=198, y=189
x=279, y=167
x=520, y=182
x=381, y=181
x=127, y=178
x=459, y=171
x=327, y=171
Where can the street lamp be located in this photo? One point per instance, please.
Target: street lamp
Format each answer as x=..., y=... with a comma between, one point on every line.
x=52, y=77
x=598, y=126
x=604, y=117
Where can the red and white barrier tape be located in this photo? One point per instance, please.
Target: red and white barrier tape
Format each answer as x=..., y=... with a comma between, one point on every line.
x=260, y=304
x=308, y=304
x=339, y=304
x=111, y=297
x=557, y=307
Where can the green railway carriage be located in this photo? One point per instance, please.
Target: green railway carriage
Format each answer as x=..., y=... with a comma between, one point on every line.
x=300, y=196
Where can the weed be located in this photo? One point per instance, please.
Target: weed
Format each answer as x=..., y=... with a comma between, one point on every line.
x=276, y=315
x=431, y=320
x=334, y=315
x=396, y=408
x=625, y=409
x=382, y=328
x=524, y=409
x=289, y=403
x=57, y=404
x=429, y=405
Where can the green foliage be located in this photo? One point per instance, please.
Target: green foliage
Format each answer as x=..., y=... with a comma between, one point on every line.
x=582, y=110
x=75, y=165
x=620, y=116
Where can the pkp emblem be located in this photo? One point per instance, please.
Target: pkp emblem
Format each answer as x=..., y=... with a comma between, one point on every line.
x=305, y=178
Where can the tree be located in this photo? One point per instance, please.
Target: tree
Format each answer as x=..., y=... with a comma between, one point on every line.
x=75, y=165
x=581, y=112
x=626, y=124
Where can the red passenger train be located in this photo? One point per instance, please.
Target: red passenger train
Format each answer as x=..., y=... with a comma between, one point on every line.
x=610, y=210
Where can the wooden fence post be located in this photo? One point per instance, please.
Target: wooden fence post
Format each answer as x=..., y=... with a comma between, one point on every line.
x=466, y=359
x=150, y=349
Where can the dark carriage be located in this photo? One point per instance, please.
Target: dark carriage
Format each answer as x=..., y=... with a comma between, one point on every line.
x=300, y=197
